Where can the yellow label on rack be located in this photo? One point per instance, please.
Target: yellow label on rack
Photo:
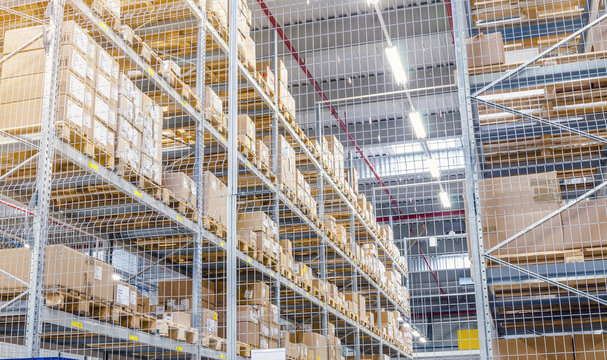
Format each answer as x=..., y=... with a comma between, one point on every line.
x=307, y=295
x=222, y=244
x=215, y=316
x=291, y=285
x=223, y=140
x=133, y=337
x=137, y=193
x=103, y=26
x=178, y=348
x=77, y=324
x=179, y=218
x=222, y=356
x=272, y=273
x=249, y=164
x=248, y=259
x=94, y=166
x=184, y=103
x=149, y=69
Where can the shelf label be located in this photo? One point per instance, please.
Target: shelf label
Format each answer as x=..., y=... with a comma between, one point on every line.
x=248, y=259
x=222, y=244
x=272, y=273
x=133, y=337
x=307, y=295
x=291, y=285
x=223, y=140
x=93, y=166
x=77, y=324
x=149, y=69
x=103, y=26
x=179, y=218
x=249, y=164
x=222, y=356
x=137, y=193
x=178, y=348
x=184, y=103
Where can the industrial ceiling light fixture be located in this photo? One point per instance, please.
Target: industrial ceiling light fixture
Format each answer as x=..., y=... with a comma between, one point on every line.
x=423, y=340
x=444, y=199
x=433, y=167
x=396, y=64
x=372, y=2
x=415, y=333
x=418, y=126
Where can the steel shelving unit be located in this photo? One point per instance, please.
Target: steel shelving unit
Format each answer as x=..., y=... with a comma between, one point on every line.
x=172, y=223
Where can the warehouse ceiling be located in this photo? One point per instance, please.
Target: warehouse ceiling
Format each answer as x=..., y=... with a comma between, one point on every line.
x=342, y=45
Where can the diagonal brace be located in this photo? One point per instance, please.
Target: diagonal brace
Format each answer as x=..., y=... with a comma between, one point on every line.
x=539, y=119
x=547, y=217
x=546, y=279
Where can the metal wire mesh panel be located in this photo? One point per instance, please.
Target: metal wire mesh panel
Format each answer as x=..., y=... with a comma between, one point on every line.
x=535, y=85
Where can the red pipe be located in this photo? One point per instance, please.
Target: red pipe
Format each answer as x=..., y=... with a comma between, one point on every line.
x=466, y=312
x=422, y=216
x=450, y=15
x=343, y=126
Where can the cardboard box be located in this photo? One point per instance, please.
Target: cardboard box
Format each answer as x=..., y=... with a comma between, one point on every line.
x=485, y=50
x=209, y=321
x=215, y=197
x=598, y=37
x=585, y=224
x=255, y=293
x=179, y=318
x=263, y=153
x=104, y=137
x=64, y=268
x=535, y=348
x=264, y=243
x=282, y=75
x=180, y=184
x=125, y=295
x=143, y=304
x=257, y=221
x=177, y=294
x=247, y=313
x=248, y=333
x=249, y=238
x=264, y=69
x=213, y=106
x=246, y=126
x=316, y=343
x=99, y=279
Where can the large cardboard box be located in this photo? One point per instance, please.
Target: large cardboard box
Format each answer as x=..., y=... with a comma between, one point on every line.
x=179, y=318
x=263, y=153
x=534, y=348
x=180, y=184
x=317, y=343
x=485, y=50
x=590, y=347
x=209, y=321
x=215, y=198
x=99, y=279
x=246, y=126
x=64, y=268
x=598, y=37
x=125, y=295
x=281, y=74
x=177, y=294
x=257, y=221
x=585, y=224
x=255, y=293
x=248, y=333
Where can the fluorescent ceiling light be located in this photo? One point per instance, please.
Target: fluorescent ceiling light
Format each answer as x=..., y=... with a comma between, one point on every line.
x=397, y=66
x=513, y=95
x=372, y=2
x=422, y=340
x=433, y=167
x=415, y=333
x=444, y=199
x=116, y=277
x=418, y=125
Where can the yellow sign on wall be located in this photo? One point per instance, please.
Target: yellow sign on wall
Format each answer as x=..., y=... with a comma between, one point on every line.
x=467, y=339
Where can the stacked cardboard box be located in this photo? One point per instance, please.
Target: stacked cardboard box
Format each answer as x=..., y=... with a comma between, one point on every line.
x=213, y=107
x=336, y=151
x=287, y=174
x=352, y=177
x=246, y=132
x=266, y=232
x=65, y=268
x=264, y=69
x=269, y=328
x=357, y=303
x=305, y=274
x=215, y=195
x=22, y=79
x=176, y=295
x=248, y=325
x=125, y=295
x=317, y=344
x=181, y=185
x=510, y=204
x=304, y=194
x=263, y=154
x=485, y=50
x=286, y=256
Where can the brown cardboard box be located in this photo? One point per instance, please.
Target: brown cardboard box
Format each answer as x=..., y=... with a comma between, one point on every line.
x=264, y=69
x=128, y=131
x=257, y=221
x=143, y=304
x=125, y=295
x=287, y=246
x=534, y=348
x=179, y=318
x=104, y=137
x=598, y=37
x=316, y=343
x=255, y=293
x=249, y=238
x=286, y=162
x=99, y=279
x=215, y=195
x=209, y=321
x=264, y=243
x=263, y=153
x=178, y=294
x=64, y=268
x=507, y=194
x=282, y=74
x=590, y=347
x=213, y=106
x=485, y=50
x=246, y=126
x=180, y=184
x=248, y=333
x=585, y=224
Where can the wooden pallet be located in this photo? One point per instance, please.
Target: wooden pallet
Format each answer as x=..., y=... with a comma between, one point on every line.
x=122, y=316
x=557, y=256
x=214, y=227
x=177, y=332
x=141, y=181
x=287, y=273
x=69, y=301
x=244, y=349
x=247, y=151
x=264, y=169
x=212, y=341
x=181, y=206
x=268, y=261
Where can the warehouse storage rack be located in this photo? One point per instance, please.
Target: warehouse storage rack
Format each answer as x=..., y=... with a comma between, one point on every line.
x=536, y=129
x=64, y=189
